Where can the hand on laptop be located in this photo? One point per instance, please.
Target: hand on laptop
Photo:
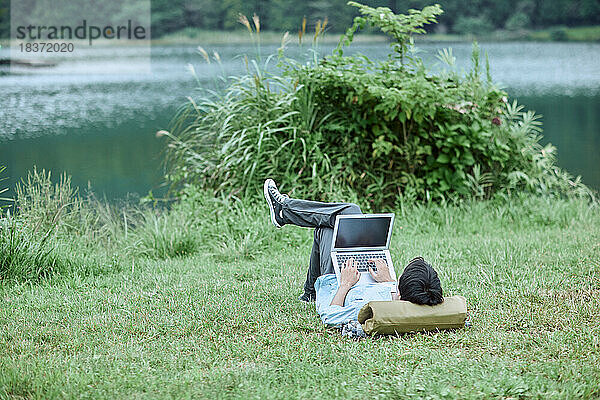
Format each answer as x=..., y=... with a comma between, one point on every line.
x=383, y=272
x=349, y=274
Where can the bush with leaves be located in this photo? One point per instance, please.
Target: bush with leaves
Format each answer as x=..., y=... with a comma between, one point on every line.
x=472, y=25
x=385, y=131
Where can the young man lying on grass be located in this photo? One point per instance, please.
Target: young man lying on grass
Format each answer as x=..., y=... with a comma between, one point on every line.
x=339, y=304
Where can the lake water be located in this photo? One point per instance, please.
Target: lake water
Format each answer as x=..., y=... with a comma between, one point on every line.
x=97, y=120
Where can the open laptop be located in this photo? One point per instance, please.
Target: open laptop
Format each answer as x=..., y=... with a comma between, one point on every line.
x=362, y=237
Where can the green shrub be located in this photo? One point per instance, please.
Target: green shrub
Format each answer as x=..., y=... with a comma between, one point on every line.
x=472, y=25
x=559, y=34
x=517, y=21
x=385, y=131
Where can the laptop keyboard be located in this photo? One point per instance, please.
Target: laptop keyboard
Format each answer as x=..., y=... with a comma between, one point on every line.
x=362, y=259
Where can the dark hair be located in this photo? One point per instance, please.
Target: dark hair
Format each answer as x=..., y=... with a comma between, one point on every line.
x=419, y=283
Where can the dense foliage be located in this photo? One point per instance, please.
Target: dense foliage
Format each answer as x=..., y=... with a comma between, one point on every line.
x=387, y=131
x=460, y=16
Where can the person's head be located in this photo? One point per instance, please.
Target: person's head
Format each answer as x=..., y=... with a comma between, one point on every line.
x=419, y=283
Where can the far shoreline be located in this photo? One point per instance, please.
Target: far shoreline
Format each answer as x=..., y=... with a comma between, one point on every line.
x=584, y=34
x=552, y=34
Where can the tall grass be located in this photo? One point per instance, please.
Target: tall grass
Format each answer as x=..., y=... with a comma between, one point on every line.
x=55, y=230
x=261, y=125
x=3, y=189
x=85, y=235
x=156, y=234
x=231, y=228
x=25, y=256
x=39, y=238
x=27, y=251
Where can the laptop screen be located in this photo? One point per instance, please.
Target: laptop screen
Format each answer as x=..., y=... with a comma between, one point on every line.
x=369, y=231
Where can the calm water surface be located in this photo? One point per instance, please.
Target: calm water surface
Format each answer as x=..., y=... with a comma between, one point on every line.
x=96, y=119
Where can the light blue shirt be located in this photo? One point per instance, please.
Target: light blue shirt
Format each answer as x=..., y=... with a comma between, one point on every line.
x=359, y=295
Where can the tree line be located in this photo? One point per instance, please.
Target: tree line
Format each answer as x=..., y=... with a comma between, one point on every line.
x=460, y=16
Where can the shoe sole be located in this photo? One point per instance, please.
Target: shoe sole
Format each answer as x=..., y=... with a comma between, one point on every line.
x=268, y=198
x=307, y=301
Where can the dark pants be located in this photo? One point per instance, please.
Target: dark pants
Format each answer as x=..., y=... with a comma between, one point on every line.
x=321, y=216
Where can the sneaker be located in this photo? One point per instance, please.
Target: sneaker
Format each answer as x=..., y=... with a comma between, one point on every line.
x=307, y=297
x=275, y=200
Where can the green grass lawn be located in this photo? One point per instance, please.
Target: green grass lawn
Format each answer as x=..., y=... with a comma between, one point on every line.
x=225, y=322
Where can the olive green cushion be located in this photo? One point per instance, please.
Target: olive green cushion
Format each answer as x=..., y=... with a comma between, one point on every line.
x=398, y=316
